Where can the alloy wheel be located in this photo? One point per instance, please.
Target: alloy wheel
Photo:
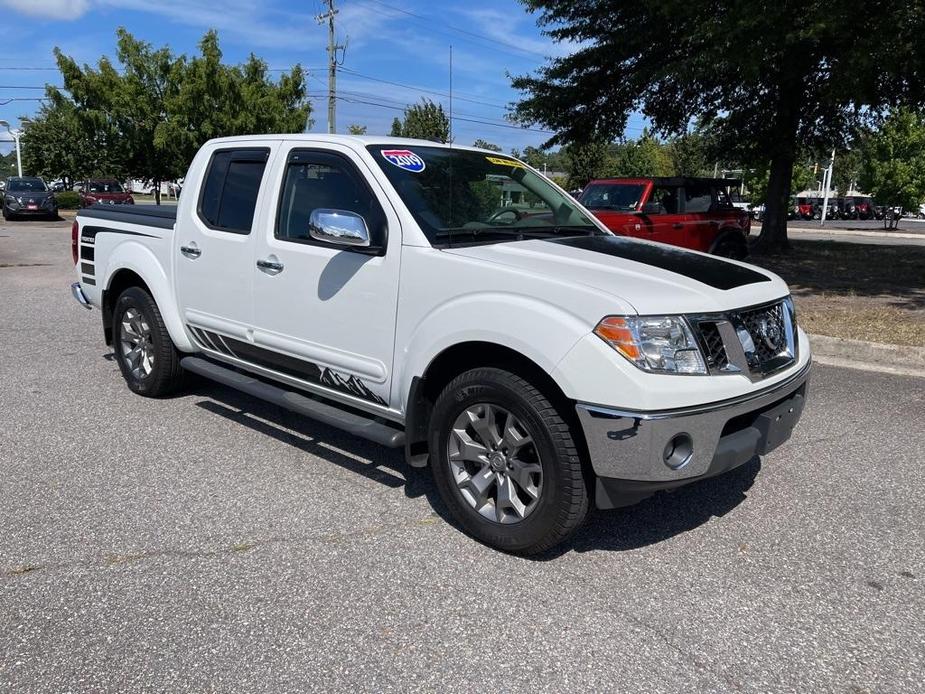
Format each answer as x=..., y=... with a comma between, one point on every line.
x=136, y=343
x=495, y=463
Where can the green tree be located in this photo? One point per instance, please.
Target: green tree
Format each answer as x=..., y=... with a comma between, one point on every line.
x=484, y=144
x=894, y=160
x=423, y=121
x=356, y=129
x=764, y=77
x=156, y=109
x=584, y=162
x=57, y=144
x=691, y=154
x=643, y=157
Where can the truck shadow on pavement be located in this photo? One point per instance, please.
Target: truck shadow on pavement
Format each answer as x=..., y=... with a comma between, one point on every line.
x=653, y=520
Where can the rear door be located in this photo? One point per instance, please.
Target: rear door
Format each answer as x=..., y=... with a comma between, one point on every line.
x=214, y=247
x=325, y=314
x=701, y=219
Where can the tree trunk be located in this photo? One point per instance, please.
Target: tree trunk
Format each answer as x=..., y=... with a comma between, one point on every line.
x=773, y=238
x=157, y=192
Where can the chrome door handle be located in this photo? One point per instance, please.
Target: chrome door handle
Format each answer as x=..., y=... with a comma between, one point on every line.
x=271, y=267
x=677, y=225
x=190, y=252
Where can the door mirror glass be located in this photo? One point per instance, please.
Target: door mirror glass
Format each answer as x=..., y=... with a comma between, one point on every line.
x=652, y=208
x=340, y=227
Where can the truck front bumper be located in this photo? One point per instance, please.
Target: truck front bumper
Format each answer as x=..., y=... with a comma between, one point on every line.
x=635, y=454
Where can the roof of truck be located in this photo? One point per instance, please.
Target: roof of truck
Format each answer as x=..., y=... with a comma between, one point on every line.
x=361, y=140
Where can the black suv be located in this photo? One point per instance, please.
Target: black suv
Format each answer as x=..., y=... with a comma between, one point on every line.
x=27, y=196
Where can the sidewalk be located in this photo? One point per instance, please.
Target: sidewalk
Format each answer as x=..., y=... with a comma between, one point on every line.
x=870, y=233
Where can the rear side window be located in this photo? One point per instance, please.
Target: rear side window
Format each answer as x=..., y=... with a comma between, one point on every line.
x=698, y=198
x=229, y=195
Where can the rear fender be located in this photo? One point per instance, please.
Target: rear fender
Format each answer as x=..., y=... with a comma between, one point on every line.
x=131, y=255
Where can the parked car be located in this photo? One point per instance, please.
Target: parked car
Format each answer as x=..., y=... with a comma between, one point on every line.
x=28, y=196
x=854, y=205
x=693, y=213
x=537, y=364
x=104, y=191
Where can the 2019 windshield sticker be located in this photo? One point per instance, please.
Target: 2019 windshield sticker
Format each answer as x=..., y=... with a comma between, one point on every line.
x=505, y=162
x=404, y=159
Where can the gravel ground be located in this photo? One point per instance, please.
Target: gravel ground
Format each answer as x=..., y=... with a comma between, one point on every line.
x=210, y=543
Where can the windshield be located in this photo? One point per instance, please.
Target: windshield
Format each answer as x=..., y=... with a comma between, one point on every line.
x=461, y=197
x=26, y=185
x=104, y=187
x=612, y=196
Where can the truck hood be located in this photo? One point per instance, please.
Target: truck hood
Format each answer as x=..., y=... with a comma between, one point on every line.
x=654, y=278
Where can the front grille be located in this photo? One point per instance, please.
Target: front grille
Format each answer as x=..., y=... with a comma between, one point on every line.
x=754, y=341
x=766, y=328
x=713, y=347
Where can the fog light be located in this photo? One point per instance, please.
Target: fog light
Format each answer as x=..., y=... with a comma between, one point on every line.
x=678, y=451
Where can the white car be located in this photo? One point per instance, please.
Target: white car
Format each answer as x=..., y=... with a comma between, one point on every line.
x=535, y=361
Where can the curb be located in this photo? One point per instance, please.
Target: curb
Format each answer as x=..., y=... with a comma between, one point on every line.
x=857, y=232
x=870, y=356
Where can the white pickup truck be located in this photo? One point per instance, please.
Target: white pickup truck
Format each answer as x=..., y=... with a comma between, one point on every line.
x=455, y=303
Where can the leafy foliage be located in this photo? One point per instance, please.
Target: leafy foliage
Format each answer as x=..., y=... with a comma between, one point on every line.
x=147, y=118
x=765, y=78
x=483, y=144
x=356, y=129
x=424, y=121
x=894, y=161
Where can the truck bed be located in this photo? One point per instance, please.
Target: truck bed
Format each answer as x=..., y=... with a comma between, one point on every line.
x=162, y=216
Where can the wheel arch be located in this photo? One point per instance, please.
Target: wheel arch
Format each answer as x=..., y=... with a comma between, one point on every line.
x=462, y=357
x=129, y=272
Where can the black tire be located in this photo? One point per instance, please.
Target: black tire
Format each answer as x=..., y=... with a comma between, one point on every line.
x=562, y=503
x=731, y=247
x=7, y=215
x=166, y=375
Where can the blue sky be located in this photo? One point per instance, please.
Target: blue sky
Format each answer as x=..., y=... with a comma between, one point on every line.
x=400, y=41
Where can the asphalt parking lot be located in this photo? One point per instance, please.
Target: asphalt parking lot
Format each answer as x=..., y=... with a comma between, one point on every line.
x=212, y=543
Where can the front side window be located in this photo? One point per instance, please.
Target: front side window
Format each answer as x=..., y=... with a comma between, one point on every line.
x=612, y=196
x=322, y=180
x=459, y=196
x=229, y=194
x=667, y=199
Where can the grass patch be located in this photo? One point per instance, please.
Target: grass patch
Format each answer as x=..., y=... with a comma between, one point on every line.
x=858, y=291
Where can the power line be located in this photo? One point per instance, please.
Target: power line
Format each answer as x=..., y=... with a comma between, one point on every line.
x=495, y=42
x=422, y=89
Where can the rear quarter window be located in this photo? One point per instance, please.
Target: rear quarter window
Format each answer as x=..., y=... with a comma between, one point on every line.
x=229, y=194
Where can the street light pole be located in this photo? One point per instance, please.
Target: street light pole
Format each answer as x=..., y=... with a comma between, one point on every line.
x=14, y=133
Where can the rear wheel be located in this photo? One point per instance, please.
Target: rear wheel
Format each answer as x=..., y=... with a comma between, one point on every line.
x=505, y=462
x=147, y=357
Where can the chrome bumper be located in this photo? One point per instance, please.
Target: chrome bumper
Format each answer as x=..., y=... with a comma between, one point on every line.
x=78, y=295
x=668, y=448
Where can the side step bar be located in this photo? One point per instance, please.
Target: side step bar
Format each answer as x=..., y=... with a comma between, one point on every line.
x=314, y=409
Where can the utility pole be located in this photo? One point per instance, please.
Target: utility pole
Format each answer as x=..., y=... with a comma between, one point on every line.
x=333, y=47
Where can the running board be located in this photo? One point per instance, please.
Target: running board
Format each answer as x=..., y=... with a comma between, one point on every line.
x=314, y=409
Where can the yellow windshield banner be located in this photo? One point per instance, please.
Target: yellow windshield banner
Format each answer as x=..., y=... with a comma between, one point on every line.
x=505, y=162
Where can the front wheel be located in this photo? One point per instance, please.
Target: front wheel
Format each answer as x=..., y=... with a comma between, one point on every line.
x=506, y=463
x=147, y=357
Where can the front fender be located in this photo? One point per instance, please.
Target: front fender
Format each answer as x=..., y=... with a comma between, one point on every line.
x=132, y=255
x=540, y=331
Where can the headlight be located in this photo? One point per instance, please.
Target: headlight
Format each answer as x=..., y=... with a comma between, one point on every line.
x=662, y=344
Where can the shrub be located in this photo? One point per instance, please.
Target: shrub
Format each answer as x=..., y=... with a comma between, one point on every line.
x=68, y=200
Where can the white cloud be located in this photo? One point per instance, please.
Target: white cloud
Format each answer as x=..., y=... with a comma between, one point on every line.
x=49, y=9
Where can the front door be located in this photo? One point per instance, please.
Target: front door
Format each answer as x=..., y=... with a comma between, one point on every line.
x=325, y=314
x=665, y=222
x=214, y=246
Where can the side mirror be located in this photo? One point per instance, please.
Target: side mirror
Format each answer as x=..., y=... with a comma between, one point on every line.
x=652, y=208
x=340, y=227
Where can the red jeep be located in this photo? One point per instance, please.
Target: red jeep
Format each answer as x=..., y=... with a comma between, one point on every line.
x=694, y=213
